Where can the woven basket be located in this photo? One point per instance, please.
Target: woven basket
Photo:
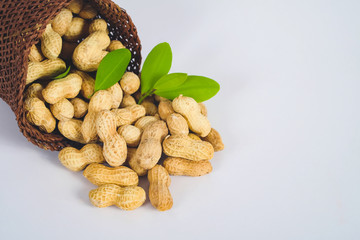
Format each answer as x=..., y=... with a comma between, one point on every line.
x=21, y=24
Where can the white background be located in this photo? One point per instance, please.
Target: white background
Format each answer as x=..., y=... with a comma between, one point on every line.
x=288, y=111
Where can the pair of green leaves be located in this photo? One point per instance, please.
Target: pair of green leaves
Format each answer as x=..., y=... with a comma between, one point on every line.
x=155, y=78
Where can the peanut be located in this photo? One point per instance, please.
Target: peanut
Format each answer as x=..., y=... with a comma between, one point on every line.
x=159, y=193
x=34, y=91
x=115, y=149
x=77, y=160
x=215, y=139
x=51, y=43
x=127, y=101
x=102, y=100
x=189, y=108
x=88, y=12
x=128, y=115
x=184, y=167
x=39, y=115
x=35, y=54
x=115, y=45
x=99, y=174
x=203, y=109
x=128, y=198
x=77, y=30
x=130, y=83
x=131, y=134
x=185, y=147
x=194, y=136
x=45, y=69
x=88, y=85
x=62, y=21
x=67, y=50
x=165, y=109
x=134, y=164
x=89, y=53
x=68, y=87
x=117, y=95
x=149, y=151
x=62, y=110
x=75, y=6
x=80, y=107
x=98, y=25
x=177, y=124
x=150, y=108
x=71, y=129
x=159, y=99
x=144, y=121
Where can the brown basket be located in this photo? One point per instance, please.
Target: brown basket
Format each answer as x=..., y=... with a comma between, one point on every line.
x=21, y=24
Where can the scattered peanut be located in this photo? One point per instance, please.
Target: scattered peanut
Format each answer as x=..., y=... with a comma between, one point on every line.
x=185, y=147
x=63, y=110
x=71, y=129
x=130, y=83
x=62, y=21
x=190, y=109
x=165, y=109
x=45, y=69
x=115, y=45
x=80, y=107
x=98, y=25
x=177, y=124
x=117, y=95
x=115, y=149
x=194, y=136
x=144, y=121
x=184, y=167
x=128, y=198
x=51, y=43
x=99, y=174
x=35, y=55
x=215, y=139
x=128, y=115
x=34, y=91
x=131, y=134
x=77, y=160
x=127, y=101
x=159, y=193
x=77, y=30
x=150, y=108
x=39, y=115
x=88, y=85
x=75, y=6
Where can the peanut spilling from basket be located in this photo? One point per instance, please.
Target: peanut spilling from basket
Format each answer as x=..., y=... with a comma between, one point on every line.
x=128, y=126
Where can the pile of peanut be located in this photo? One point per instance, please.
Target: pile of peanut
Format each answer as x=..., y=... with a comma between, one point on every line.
x=157, y=138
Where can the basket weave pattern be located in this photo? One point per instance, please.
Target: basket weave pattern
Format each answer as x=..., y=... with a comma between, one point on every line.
x=21, y=24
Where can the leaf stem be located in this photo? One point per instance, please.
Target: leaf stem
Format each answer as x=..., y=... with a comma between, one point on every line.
x=145, y=95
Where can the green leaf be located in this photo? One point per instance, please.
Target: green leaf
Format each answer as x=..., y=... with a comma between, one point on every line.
x=112, y=68
x=197, y=87
x=156, y=65
x=170, y=81
x=64, y=74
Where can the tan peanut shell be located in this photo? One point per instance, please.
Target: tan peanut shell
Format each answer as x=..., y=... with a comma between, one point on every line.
x=62, y=21
x=51, y=43
x=88, y=85
x=215, y=139
x=128, y=115
x=159, y=193
x=71, y=129
x=101, y=100
x=45, y=69
x=115, y=149
x=184, y=167
x=115, y=45
x=126, y=198
x=35, y=54
x=89, y=53
x=149, y=150
x=127, y=101
x=185, y=147
x=34, y=91
x=131, y=134
x=98, y=25
x=39, y=115
x=75, y=6
x=177, y=124
x=67, y=50
x=117, y=95
x=80, y=107
x=194, y=136
x=159, y=99
x=165, y=109
x=77, y=160
x=130, y=82
x=142, y=122
x=189, y=108
x=99, y=174
x=77, y=30
x=62, y=110
x=88, y=12
x=68, y=87
x=150, y=108
x=203, y=109
x=134, y=165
